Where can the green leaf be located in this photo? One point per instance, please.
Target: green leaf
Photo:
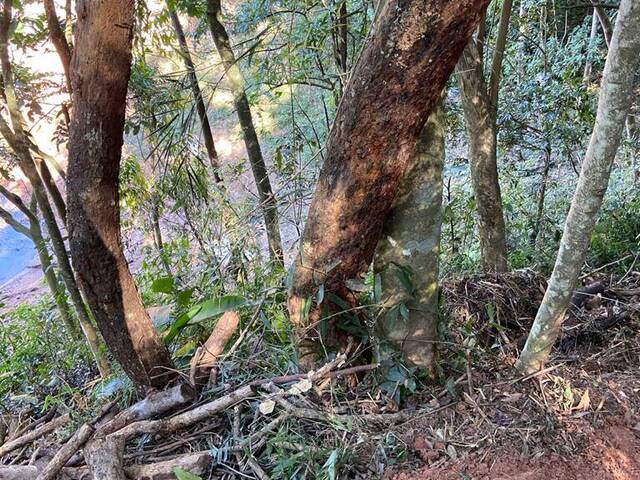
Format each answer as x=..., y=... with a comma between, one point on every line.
x=204, y=311
x=184, y=475
x=404, y=311
x=377, y=288
x=330, y=465
x=217, y=306
x=162, y=285
x=184, y=297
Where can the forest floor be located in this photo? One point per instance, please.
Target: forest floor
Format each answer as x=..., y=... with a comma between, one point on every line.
x=577, y=419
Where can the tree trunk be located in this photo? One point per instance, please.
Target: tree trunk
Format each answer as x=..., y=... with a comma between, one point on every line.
x=588, y=66
x=393, y=89
x=101, y=69
x=410, y=248
x=607, y=29
x=19, y=143
x=480, y=122
x=267, y=199
x=59, y=40
x=498, y=54
x=52, y=188
x=34, y=233
x=613, y=106
x=49, y=273
x=197, y=95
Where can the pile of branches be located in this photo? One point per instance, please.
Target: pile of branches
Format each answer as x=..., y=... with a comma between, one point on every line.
x=98, y=448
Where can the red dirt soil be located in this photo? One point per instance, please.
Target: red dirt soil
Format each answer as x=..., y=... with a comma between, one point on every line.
x=612, y=454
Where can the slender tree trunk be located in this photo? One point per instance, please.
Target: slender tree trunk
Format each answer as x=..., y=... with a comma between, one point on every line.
x=410, y=248
x=18, y=141
x=57, y=291
x=588, y=66
x=480, y=103
x=393, y=89
x=340, y=36
x=59, y=40
x=267, y=199
x=537, y=226
x=197, y=95
x=34, y=233
x=604, y=21
x=481, y=131
x=613, y=106
x=52, y=188
x=157, y=235
x=498, y=55
x=101, y=69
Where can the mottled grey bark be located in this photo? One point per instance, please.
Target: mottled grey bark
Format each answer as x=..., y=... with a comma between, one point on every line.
x=588, y=66
x=479, y=117
x=480, y=104
x=613, y=106
x=410, y=248
x=268, y=202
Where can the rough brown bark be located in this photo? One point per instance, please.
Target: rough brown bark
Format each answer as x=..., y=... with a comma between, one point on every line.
x=268, y=202
x=197, y=95
x=394, y=87
x=101, y=69
x=483, y=162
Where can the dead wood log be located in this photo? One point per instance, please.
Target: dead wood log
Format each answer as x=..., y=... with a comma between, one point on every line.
x=195, y=463
x=581, y=295
x=104, y=458
x=187, y=418
x=206, y=357
x=22, y=429
x=154, y=404
x=60, y=459
x=18, y=472
x=34, y=434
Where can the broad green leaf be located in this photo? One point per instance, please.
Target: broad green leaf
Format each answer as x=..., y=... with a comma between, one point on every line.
x=217, y=306
x=162, y=285
x=204, y=311
x=184, y=475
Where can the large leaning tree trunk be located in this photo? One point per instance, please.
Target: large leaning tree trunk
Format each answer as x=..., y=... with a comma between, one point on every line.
x=393, y=89
x=613, y=106
x=201, y=108
x=234, y=77
x=409, y=250
x=480, y=104
x=100, y=68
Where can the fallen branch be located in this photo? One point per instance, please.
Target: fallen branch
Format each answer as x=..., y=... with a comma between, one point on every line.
x=34, y=434
x=60, y=459
x=151, y=406
x=195, y=463
x=104, y=458
x=206, y=357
